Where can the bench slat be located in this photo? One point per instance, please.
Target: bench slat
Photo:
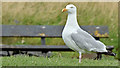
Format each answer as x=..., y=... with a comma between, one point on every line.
x=47, y=31
x=34, y=48
x=38, y=48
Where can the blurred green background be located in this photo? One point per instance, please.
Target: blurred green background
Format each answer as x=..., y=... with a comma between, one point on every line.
x=49, y=13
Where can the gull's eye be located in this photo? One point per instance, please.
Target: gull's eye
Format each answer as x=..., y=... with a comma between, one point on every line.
x=71, y=7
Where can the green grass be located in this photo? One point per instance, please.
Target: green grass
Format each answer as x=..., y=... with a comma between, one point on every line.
x=65, y=59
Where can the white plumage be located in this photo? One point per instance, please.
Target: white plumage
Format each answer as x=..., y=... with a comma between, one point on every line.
x=76, y=38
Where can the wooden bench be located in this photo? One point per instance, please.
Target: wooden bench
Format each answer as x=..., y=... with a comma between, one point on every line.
x=43, y=32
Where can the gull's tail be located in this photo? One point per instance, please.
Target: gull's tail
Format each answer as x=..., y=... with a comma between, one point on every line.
x=99, y=54
x=109, y=53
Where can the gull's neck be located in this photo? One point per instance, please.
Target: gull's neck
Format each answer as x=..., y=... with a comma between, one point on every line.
x=72, y=21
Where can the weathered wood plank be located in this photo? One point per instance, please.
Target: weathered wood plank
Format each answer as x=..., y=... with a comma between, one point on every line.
x=47, y=31
x=39, y=48
x=35, y=48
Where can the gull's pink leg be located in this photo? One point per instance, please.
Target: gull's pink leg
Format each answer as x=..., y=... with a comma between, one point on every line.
x=80, y=55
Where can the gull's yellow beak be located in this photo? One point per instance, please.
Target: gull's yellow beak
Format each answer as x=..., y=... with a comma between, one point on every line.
x=63, y=10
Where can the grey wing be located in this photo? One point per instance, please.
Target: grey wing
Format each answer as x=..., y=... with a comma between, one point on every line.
x=87, y=42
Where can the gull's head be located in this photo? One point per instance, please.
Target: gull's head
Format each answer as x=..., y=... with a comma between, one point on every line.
x=70, y=9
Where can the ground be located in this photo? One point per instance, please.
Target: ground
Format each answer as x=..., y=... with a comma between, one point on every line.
x=58, y=59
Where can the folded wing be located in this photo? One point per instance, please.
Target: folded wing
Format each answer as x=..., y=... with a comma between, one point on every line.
x=85, y=41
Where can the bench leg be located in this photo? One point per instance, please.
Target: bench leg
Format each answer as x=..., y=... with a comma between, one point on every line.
x=8, y=53
x=99, y=56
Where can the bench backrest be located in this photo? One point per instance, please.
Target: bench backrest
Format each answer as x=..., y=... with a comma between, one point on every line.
x=47, y=30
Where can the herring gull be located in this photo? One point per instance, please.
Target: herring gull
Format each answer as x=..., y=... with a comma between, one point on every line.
x=76, y=38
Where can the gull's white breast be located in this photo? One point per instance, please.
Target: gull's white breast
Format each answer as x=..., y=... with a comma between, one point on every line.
x=66, y=35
